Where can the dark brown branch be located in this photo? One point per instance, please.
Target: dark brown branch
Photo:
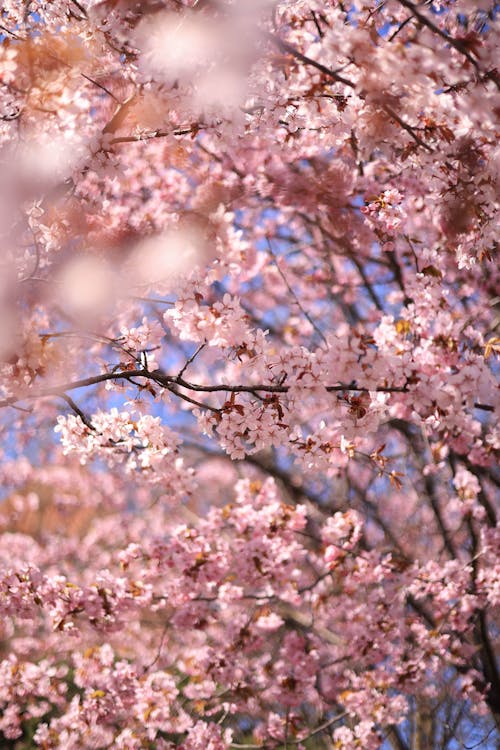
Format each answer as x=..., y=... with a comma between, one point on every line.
x=484, y=407
x=58, y=390
x=289, y=49
x=479, y=472
x=408, y=128
x=456, y=43
x=372, y=509
x=172, y=388
x=161, y=378
x=486, y=651
x=429, y=483
x=366, y=281
x=11, y=33
x=80, y=8
x=297, y=492
x=430, y=490
x=316, y=23
x=400, y=28
x=86, y=421
x=395, y=738
x=171, y=382
x=99, y=86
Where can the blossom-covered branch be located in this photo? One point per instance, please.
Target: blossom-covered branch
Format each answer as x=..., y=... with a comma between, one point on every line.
x=249, y=343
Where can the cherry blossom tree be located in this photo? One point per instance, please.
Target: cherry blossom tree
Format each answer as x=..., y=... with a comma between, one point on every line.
x=249, y=408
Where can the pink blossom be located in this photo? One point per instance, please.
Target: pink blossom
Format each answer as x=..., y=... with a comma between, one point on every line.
x=248, y=374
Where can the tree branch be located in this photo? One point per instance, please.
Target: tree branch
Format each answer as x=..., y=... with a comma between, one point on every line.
x=408, y=128
x=86, y=421
x=456, y=43
x=289, y=49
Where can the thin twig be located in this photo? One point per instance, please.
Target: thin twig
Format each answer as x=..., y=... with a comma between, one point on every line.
x=147, y=667
x=190, y=400
x=296, y=299
x=100, y=86
x=288, y=48
x=321, y=728
x=316, y=23
x=11, y=33
x=425, y=21
x=86, y=421
x=408, y=128
x=191, y=359
x=155, y=300
x=400, y=28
